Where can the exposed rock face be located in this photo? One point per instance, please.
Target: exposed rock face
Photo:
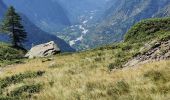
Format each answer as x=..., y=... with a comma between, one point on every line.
x=43, y=50
x=155, y=52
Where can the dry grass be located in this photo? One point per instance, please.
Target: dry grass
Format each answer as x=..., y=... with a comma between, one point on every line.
x=85, y=76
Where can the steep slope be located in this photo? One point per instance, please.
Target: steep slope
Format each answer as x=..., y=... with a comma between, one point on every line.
x=120, y=17
x=154, y=36
x=95, y=74
x=48, y=15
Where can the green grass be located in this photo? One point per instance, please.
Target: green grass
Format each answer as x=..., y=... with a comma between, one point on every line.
x=22, y=92
x=149, y=29
x=9, y=55
x=144, y=32
x=18, y=78
x=26, y=91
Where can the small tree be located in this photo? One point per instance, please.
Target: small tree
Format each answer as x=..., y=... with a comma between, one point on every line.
x=12, y=25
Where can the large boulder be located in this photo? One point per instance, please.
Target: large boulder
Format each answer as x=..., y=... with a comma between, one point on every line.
x=43, y=50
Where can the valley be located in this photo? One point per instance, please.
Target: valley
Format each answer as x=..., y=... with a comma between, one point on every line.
x=85, y=50
x=103, y=22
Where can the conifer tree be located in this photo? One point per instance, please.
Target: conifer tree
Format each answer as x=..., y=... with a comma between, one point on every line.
x=12, y=25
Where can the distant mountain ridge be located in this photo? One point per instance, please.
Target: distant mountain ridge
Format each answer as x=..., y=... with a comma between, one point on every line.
x=121, y=15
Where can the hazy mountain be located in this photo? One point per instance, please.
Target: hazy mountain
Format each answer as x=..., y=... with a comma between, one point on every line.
x=116, y=18
x=83, y=15
x=49, y=15
x=2, y=8
x=164, y=12
x=121, y=15
x=36, y=35
x=83, y=8
x=2, y=11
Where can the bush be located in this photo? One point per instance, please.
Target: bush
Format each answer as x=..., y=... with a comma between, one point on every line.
x=98, y=59
x=117, y=64
x=155, y=76
x=120, y=88
x=125, y=46
x=8, y=98
x=18, y=78
x=148, y=29
x=8, y=54
x=30, y=89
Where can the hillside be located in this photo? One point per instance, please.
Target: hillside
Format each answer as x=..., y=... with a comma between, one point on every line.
x=10, y=55
x=86, y=78
x=95, y=74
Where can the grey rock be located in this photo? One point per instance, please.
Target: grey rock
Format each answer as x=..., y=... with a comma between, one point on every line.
x=43, y=50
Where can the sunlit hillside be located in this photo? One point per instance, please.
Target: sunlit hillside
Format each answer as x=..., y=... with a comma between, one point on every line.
x=85, y=76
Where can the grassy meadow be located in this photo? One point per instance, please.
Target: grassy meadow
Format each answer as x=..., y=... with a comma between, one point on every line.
x=85, y=76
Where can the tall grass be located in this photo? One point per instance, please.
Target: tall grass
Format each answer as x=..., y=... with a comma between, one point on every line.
x=81, y=77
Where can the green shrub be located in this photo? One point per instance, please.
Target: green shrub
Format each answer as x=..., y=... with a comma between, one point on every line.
x=98, y=59
x=155, y=76
x=117, y=64
x=125, y=46
x=93, y=85
x=8, y=54
x=119, y=54
x=148, y=29
x=120, y=88
x=29, y=89
x=8, y=98
x=51, y=83
x=18, y=78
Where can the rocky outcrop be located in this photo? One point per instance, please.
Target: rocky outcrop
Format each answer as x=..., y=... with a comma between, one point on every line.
x=43, y=50
x=155, y=51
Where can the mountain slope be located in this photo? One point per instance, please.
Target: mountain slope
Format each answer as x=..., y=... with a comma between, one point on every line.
x=2, y=8
x=83, y=14
x=95, y=74
x=37, y=36
x=48, y=15
x=119, y=17
x=164, y=12
x=83, y=9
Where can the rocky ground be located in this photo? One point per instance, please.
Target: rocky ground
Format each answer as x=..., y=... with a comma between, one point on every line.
x=154, y=51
